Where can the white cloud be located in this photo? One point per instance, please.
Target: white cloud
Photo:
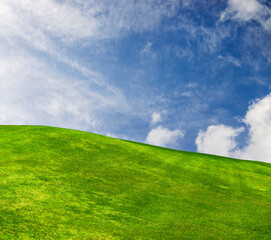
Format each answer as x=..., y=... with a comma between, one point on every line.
x=137, y=16
x=217, y=139
x=38, y=23
x=192, y=85
x=258, y=120
x=155, y=118
x=231, y=60
x=33, y=92
x=220, y=139
x=209, y=39
x=75, y=20
x=161, y=136
x=38, y=36
x=146, y=49
x=186, y=94
x=52, y=27
x=246, y=10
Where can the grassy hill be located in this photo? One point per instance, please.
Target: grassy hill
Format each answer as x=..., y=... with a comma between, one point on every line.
x=66, y=184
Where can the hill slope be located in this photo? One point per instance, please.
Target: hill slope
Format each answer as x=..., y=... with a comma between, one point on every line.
x=65, y=184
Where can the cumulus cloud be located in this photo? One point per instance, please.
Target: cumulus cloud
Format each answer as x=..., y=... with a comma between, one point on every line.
x=246, y=10
x=258, y=120
x=220, y=139
x=217, y=139
x=164, y=137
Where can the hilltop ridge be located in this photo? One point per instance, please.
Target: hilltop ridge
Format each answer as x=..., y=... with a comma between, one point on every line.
x=58, y=183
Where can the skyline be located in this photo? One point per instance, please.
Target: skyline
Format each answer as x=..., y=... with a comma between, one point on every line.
x=190, y=75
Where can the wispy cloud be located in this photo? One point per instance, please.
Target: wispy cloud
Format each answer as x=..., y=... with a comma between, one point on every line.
x=36, y=40
x=33, y=92
x=208, y=39
x=121, y=17
x=146, y=48
x=231, y=60
x=48, y=27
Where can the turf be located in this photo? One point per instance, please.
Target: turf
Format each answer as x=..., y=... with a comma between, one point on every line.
x=65, y=184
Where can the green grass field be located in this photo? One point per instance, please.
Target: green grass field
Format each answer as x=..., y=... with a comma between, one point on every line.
x=65, y=184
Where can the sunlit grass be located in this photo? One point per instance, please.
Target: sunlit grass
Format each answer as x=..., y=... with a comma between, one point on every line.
x=65, y=184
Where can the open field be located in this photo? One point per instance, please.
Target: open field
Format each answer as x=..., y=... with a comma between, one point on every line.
x=65, y=184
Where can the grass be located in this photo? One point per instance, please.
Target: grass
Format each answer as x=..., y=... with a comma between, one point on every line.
x=65, y=184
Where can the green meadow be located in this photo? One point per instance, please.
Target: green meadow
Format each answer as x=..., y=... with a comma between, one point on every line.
x=65, y=184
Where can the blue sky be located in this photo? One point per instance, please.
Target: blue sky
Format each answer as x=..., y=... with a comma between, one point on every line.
x=191, y=75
